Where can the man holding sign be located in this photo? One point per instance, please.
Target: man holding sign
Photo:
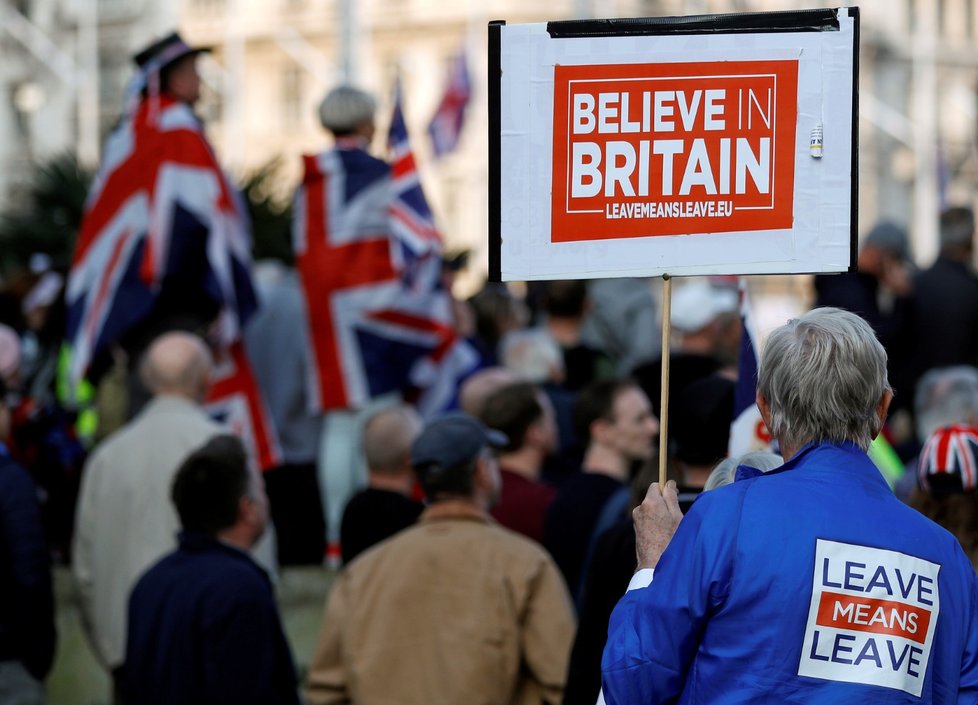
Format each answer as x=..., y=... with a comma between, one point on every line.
x=812, y=583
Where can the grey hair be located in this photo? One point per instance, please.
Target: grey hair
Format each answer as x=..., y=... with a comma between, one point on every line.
x=726, y=470
x=387, y=438
x=344, y=108
x=823, y=376
x=532, y=355
x=945, y=396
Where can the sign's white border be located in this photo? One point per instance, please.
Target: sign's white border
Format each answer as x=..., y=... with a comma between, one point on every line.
x=820, y=239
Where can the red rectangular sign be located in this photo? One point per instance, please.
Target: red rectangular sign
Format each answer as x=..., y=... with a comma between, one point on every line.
x=667, y=149
x=873, y=615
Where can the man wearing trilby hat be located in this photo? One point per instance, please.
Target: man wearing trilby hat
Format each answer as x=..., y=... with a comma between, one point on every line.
x=163, y=246
x=164, y=243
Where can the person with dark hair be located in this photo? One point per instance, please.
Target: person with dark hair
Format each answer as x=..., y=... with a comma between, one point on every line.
x=203, y=623
x=565, y=305
x=524, y=413
x=27, y=632
x=615, y=417
x=944, y=304
x=454, y=610
x=947, y=475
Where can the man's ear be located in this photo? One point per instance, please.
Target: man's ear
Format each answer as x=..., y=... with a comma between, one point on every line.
x=882, y=409
x=764, y=408
x=600, y=429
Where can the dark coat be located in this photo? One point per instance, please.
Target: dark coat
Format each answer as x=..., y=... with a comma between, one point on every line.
x=204, y=629
x=27, y=632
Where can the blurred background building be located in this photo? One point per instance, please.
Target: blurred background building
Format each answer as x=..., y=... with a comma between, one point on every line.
x=64, y=65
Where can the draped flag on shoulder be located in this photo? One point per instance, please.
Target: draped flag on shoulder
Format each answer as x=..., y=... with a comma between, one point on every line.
x=446, y=124
x=234, y=400
x=368, y=255
x=161, y=210
x=747, y=431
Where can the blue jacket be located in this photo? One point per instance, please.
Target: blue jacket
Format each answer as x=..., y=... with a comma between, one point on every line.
x=27, y=631
x=811, y=584
x=204, y=630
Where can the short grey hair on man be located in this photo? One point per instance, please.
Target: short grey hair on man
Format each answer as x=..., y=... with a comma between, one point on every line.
x=946, y=396
x=823, y=376
x=725, y=471
x=532, y=355
x=387, y=438
x=344, y=108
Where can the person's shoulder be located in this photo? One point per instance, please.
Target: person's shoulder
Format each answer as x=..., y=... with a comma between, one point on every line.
x=16, y=483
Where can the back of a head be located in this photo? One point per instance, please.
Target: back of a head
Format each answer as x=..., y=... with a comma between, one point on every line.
x=512, y=410
x=823, y=376
x=532, y=355
x=946, y=396
x=701, y=420
x=890, y=237
x=345, y=108
x=209, y=485
x=957, y=228
x=597, y=401
x=387, y=439
x=565, y=298
x=725, y=471
x=480, y=385
x=177, y=363
x=446, y=454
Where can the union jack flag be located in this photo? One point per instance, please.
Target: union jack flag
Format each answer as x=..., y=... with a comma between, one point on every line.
x=950, y=452
x=368, y=254
x=446, y=124
x=235, y=401
x=161, y=214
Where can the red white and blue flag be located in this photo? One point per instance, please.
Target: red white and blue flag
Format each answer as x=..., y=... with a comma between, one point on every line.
x=748, y=431
x=234, y=400
x=163, y=214
x=160, y=213
x=446, y=125
x=950, y=452
x=368, y=255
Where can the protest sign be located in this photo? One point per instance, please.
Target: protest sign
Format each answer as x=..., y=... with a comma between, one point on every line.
x=688, y=145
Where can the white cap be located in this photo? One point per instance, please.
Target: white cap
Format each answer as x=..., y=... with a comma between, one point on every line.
x=696, y=304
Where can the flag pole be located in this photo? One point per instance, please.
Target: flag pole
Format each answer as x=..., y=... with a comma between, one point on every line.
x=664, y=398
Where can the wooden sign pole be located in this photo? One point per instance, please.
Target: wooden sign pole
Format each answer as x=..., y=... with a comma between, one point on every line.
x=664, y=399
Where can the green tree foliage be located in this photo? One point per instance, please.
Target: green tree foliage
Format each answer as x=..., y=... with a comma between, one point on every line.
x=45, y=214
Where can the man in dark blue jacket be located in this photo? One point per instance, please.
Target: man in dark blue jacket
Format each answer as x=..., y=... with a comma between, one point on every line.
x=812, y=583
x=203, y=624
x=27, y=633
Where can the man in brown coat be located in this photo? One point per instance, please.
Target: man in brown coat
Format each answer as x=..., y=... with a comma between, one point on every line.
x=454, y=610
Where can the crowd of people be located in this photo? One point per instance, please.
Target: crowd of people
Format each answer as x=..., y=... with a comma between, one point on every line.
x=498, y=547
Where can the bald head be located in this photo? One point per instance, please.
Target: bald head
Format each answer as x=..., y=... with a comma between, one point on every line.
x=179, y=364
x=387, y=439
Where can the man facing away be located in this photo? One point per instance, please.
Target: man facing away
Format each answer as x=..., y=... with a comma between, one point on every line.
x=524, y=413
x=812, y=583
x=385, y=506
x=454, y=610
x=203, y=625
x=125, y=520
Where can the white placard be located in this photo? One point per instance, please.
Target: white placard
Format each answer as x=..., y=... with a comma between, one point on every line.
x=680, y=153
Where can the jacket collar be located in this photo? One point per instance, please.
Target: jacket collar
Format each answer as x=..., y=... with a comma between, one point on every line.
x=454, y=509
x=197, y=542
x=832, y=457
